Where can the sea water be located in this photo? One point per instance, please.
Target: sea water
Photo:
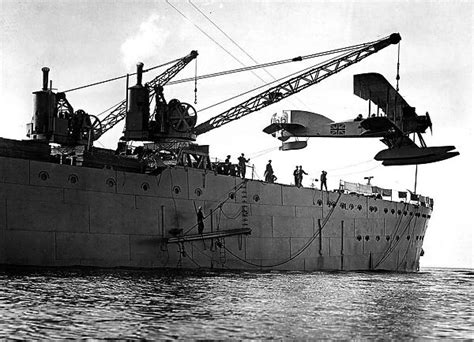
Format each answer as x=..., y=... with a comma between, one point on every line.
x=91, y=303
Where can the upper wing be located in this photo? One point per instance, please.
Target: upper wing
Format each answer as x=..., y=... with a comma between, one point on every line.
x=374, y=87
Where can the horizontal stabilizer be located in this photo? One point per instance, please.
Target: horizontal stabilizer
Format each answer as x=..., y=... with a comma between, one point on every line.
x=275, y=127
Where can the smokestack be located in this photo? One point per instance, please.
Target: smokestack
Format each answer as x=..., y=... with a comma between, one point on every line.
x=139, y=73
x=45, y=78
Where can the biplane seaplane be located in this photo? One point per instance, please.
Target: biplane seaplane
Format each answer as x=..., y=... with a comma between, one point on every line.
x=393, y=120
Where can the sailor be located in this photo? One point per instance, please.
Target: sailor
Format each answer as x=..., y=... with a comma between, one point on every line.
x=200, y=220
x=300, y=176
x=269, y=173
x=358, y=118
x=295, y=175
x=227, y=165
x=323, y=180
x=242, y=165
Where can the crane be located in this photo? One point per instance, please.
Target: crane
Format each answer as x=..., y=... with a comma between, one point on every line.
x=55, y=120
x=296, y=84
x=119, y=112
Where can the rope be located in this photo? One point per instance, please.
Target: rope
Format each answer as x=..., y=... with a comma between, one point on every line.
x=301, y=250
x=235, y=188
x=393, y=245
x=234, y=216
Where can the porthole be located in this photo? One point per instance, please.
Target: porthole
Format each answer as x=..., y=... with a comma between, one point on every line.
x=428, y=216
x=377, y=238
x=408, y=237
x=399, y=212
x=387, y=238
x=256, y=198
x=405, y=213
x=359, y=237
x=231, y=195
x=198, y=192
x=351, y=206
x=424, y=215
x=411, y=213
x=367, y=238
x=145, y=186
x=385, y=210
x=343, y=205
x=417, y=237
x=176, y=189
x=73, y=179
x=110, y=182
x=392, y=211
x=359, y=207
x=376, y=209
x=43, y=175
x=397, y=238
x=320, y=202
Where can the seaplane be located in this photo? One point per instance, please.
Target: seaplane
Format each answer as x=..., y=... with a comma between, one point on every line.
x=393, y=120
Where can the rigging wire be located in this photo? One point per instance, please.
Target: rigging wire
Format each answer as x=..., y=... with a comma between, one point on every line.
x=270, y=64
x=265, y=85
x=212, y=39
x=236, y=44
x=355, y=173
x=119, y=77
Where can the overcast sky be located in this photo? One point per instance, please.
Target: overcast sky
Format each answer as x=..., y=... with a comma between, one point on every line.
x=87, y=41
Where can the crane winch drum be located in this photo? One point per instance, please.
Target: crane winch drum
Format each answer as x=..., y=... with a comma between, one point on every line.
x=138, y=108
x=43, y=111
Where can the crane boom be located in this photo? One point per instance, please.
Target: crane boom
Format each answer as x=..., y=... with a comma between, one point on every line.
x=295, y=84
x=118, y=113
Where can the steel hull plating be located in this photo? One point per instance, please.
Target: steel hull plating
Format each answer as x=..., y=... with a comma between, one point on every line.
x=60, y=215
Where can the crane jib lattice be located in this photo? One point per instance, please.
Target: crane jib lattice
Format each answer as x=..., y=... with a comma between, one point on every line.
x=296, y=84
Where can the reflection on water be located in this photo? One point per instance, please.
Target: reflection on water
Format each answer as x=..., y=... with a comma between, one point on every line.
x=88, y=303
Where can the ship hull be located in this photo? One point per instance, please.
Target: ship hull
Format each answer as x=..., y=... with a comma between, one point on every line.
x=62, y=215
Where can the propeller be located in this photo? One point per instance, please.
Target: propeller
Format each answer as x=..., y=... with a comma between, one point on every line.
x=430, y=124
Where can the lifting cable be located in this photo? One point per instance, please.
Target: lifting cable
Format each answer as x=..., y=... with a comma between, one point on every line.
x=398, y=66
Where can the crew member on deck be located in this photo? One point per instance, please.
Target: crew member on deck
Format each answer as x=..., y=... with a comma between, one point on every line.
x=300, y=176
x=295, y=175
x=323, y=180
x=200, y=220
x=227, y=165
x=269, y=177
x=242, y=165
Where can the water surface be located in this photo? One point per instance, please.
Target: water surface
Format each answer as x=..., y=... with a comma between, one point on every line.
x=91, y=303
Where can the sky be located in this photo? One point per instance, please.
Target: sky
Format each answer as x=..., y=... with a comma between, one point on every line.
x=87, y=41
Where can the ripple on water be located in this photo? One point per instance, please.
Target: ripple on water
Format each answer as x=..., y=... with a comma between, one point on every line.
x=435, y=303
